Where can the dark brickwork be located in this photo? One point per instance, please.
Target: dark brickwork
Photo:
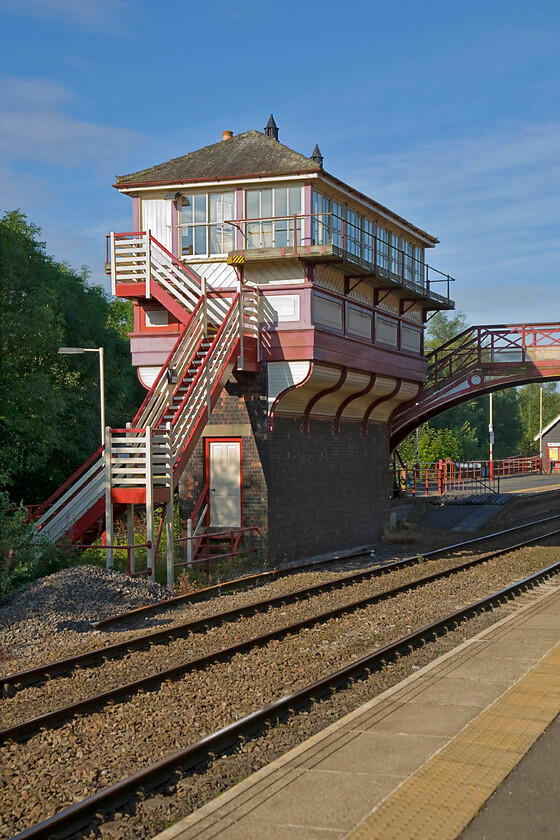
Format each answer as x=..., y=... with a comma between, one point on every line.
x=327, y=493
x=310, y=494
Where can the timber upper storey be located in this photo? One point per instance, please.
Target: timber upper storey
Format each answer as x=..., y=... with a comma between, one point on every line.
x=326, y=258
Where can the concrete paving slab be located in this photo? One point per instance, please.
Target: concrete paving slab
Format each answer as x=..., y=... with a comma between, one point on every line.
x=419, y=719
x=387, y=750
x=375, y=753
x=328, y=800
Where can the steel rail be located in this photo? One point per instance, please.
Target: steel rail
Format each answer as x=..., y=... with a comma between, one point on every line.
x=73, y=818
x=37, y=674
x=28, y=727
x=263, y=577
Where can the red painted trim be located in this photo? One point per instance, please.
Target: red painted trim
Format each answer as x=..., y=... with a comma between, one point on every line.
x=377, y=402
x=207, y=442
x=315, y=399
x=351, y=398
x=39, y=512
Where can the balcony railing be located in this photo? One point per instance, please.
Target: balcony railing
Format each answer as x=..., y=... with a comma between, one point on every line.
x=302, y=234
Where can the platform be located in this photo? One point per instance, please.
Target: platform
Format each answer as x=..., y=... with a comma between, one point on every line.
x=417, y=762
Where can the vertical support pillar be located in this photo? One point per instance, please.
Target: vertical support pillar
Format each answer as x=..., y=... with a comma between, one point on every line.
x=169, y=512
x=108, y=502
x=130, y=536
x=113, y=258
x=189, y=543
x=148, y=278
x=241, y=330
x=150, y=556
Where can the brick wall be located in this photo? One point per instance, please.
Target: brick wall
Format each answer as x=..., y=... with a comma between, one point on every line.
x=327, y=493
x=310, y=494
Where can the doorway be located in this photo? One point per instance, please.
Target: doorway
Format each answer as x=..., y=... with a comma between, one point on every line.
x=223, y=462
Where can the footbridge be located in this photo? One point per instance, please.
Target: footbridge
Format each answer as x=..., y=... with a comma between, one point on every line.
x=478, y=361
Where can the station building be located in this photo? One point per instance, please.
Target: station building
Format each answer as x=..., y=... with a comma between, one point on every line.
x=297, y=442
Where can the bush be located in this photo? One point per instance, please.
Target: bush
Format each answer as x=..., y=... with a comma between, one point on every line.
x=24, y=556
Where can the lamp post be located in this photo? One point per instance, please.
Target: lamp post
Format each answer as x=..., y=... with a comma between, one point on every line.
x=71, y=351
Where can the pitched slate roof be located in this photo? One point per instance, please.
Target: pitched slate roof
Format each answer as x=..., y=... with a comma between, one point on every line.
x=250, y=153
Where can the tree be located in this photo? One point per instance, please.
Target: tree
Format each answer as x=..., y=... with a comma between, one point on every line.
x=442, y=327
x=529, y=410
x=49, y=412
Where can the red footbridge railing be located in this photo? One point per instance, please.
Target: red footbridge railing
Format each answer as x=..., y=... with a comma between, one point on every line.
x=473, y=477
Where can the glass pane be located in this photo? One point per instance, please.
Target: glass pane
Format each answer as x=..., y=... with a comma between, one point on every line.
x=266, y=204
x=187, y=241
x=281, y=234
x=253, y=235
x=200, y=208
x=295, y=200
x=229, y=206
x=281, y=201
x=187, y=209
x=266, y=235
x=200, y=240
x=253, y=204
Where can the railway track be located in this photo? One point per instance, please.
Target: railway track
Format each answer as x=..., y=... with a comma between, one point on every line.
x=25, y=728
x=222, y=737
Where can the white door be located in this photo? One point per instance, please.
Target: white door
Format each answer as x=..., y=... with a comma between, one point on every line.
x=225, y=483
x=156, y=217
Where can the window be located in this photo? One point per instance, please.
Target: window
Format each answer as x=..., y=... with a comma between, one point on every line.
x=326, y=228
x=395, y=255
x=203, y=231
x=275, y=207
x=418, y=266
x=407, y=260
x=382, y=248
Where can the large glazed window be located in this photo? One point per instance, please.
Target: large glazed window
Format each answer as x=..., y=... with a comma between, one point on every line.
x=272, y=211
x=202, y=225
x=326, y=228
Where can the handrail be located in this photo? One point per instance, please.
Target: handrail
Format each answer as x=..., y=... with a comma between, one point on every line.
x=374, y=250
x=164, y=367
x=43, y=507
x=204, y=363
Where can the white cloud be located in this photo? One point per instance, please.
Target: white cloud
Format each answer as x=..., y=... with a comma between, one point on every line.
x=94, y=15
x=38, y=127
x=493, y=201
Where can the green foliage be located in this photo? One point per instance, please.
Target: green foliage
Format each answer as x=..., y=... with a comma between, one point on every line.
x=24, y=557
x=442, y=327
x=529, y=411
x=49, y=413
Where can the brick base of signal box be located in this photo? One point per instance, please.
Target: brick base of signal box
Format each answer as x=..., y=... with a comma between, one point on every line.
x=310, y=494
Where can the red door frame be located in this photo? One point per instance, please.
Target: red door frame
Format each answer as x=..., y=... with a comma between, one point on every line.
x=207, y=442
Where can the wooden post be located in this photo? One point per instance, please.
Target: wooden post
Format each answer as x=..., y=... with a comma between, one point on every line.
x=148, y=279
x=108, y=502
x=150, y=558
x=169, y=512
x=189, y=543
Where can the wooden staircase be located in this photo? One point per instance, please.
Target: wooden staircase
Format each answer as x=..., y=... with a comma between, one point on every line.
x=143, y=463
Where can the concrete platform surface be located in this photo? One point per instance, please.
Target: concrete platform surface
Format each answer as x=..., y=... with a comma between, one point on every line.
x=416, y=762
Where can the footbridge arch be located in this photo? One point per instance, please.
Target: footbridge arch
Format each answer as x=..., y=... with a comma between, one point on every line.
x=478, y=361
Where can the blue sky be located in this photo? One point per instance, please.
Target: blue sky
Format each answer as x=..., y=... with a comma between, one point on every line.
x=447, y=112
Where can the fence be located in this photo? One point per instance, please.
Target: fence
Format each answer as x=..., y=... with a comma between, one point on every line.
x=473, y=477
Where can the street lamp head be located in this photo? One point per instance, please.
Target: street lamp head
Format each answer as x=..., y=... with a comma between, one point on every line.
x=70, y=351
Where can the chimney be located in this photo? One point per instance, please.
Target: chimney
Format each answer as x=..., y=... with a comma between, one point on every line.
x=227, y=135
x=317, y=156
x=271, y=129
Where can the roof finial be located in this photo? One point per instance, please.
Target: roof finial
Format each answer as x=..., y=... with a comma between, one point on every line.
x=271, y=129
x=317, y=156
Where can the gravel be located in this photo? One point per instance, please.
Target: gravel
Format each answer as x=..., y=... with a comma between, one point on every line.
x=58, y=767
